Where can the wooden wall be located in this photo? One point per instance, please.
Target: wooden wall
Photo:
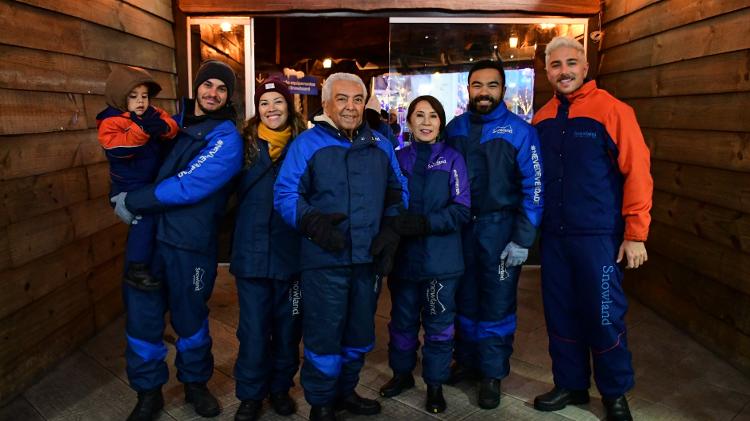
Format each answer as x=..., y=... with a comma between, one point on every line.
x=61, y=248
x=684, y=66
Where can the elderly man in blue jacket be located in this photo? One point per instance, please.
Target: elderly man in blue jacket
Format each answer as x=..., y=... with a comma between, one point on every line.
x=188, y=196
x=505, y=170
x=339, y=181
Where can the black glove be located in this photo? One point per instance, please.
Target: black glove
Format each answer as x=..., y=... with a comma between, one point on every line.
x=137, y=119
x=320, y=228
x=150, y=113
x=384, y=248
x=411, y=225
x=392, y=197
x=155, y=127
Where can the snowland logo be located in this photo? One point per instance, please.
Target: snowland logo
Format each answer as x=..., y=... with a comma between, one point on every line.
x=457, y=183
x=584, y=134
x=433, y=298
x=436, y=163
x=295, y=295
x=198, y=275
x=606, y=296
x=502, y=271
x=507, y=129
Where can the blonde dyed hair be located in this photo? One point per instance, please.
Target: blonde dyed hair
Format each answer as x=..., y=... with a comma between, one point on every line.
x=560, y=42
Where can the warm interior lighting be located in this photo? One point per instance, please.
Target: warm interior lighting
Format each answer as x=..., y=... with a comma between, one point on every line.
x=226, y=26
x=327, y=63
x=513, y=41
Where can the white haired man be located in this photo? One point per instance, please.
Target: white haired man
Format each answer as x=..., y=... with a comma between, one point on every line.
x=338, y=185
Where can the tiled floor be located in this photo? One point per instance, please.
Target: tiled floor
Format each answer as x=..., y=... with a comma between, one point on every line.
x=676, y=379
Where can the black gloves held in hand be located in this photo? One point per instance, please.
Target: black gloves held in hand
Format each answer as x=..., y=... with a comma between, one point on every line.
x=411, y=225
x=155, y=127
x=151, y=122
x=384, y=247
x=320, y=228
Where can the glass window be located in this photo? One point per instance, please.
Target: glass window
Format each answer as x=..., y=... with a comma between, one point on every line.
x=433, y=56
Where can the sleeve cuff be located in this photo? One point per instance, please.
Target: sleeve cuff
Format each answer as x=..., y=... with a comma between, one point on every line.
x=143, y=201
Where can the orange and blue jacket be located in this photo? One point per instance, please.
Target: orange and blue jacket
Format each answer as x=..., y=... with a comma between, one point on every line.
x=134, y=157
x=597, y=176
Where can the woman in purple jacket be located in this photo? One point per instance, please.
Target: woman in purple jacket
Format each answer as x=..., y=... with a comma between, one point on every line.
x=430, y=261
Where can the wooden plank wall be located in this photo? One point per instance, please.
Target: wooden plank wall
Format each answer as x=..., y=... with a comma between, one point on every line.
x=684, y=66
x=61, y=248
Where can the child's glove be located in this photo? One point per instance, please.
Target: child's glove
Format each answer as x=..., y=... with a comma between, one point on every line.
x=137, y=119
x=155, y=127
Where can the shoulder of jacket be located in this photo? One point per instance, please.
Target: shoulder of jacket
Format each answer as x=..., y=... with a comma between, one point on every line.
x=119, y=120
x=458, y=125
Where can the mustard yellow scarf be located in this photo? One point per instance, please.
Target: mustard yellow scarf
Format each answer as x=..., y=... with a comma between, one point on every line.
x=277, y=140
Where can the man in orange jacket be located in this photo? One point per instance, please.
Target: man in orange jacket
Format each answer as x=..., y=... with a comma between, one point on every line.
x=598, y=191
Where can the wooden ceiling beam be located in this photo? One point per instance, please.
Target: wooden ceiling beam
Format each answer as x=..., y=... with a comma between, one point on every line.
x=567, y=7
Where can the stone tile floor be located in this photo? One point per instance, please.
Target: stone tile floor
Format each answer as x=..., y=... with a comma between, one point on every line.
x=676, y=378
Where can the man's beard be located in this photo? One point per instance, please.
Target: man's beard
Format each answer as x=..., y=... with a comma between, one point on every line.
x=494, y=102
x=205, y=110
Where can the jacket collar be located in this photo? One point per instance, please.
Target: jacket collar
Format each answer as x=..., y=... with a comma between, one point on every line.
x=579, y=94
x=326, y=123
x=434, y=148
x=188, y=118
x=498, y=113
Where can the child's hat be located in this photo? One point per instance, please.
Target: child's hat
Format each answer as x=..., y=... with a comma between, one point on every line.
x=122, y=80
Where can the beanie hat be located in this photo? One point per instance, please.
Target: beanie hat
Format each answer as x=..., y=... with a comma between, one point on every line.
x=274, y=85
x=122, y=80
x=215, y=69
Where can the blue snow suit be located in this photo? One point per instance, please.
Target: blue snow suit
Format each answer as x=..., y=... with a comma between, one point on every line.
x=324, y=171
x=505, y=172
x=188, y=197
x=598, y=188
x=265, y=261
x=427, y=268
x=134, y=159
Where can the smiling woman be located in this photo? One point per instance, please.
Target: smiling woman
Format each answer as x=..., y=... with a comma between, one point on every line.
x=265, y=260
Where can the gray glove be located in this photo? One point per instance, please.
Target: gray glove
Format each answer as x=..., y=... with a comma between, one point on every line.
x=121, y=210
x=514, y=255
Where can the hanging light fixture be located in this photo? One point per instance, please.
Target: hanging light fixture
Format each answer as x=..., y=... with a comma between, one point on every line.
x=513, y=40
